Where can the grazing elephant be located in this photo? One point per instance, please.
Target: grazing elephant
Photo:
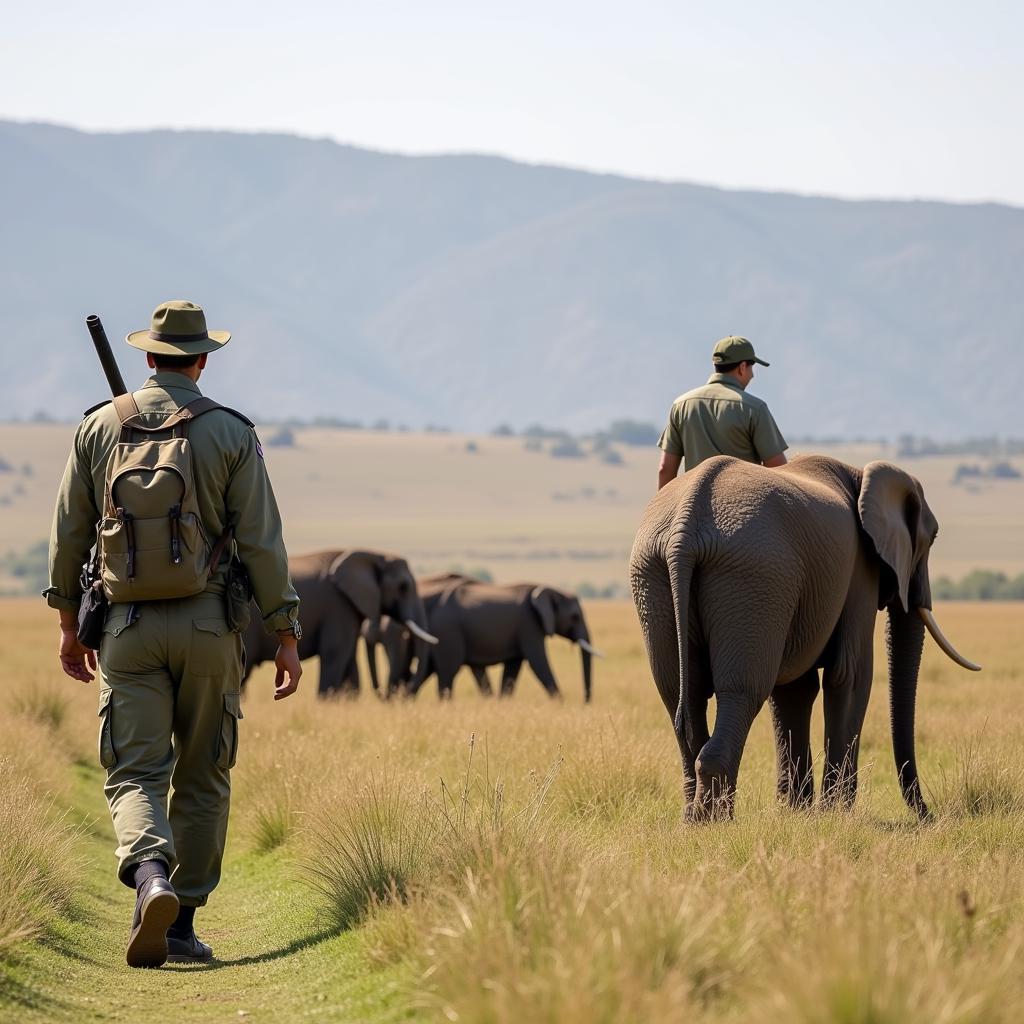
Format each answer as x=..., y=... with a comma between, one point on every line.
x=748, y=580
x=480, y=624
x=339, y=591
x=400, y=646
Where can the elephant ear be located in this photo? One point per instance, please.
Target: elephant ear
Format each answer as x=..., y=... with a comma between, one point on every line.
x=890, y=506
x=543, y=601
x=357, y=575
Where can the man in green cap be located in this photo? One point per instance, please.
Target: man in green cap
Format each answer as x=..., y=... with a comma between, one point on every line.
x=173, y=491
x=721, y=418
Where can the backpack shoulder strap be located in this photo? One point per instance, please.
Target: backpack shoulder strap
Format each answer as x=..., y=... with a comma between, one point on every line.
x=125, y=407
x=189, y=412
x=240, y=416
x=194, y=409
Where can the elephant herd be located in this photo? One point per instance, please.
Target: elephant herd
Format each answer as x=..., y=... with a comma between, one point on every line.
x=428, y=627
x=752, y=586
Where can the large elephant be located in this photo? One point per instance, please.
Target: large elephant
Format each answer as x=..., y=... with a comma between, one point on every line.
x=482, y=624
x=339, y=591
x=749, y=580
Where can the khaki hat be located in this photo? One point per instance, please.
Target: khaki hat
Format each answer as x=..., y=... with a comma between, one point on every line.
x=178, y=328
x=735, y=349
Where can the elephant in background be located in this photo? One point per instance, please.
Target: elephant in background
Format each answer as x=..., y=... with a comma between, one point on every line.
x=399, y=644
x=339, y=591
x=749, y=580
x=482, y=624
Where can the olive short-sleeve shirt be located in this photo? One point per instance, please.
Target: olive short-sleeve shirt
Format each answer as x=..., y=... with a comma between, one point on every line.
x=720, y=418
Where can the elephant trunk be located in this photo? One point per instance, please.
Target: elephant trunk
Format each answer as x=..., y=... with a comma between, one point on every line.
x=585, y=658
x=420, y=639
x=904, y=637
x=587, y=652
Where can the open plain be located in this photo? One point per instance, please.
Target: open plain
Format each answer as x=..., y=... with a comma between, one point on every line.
x=449, y=501
x=521, y=860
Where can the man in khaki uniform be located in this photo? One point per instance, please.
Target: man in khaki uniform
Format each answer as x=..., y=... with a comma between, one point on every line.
x=170, y=670
x=721, y=418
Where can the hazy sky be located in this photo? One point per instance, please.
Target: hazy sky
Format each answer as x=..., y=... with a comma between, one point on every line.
x=868, y=99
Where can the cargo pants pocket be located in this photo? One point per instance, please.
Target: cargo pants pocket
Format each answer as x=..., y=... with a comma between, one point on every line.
x=227, y=752
x=108, y=756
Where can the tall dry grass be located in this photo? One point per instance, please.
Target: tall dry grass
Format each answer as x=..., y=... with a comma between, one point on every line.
x=501, y=892
x=614, y=910
x=39, y=856
x=381, y=841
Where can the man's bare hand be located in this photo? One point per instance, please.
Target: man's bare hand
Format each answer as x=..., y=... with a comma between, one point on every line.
x=288, y=664
x=75, y=658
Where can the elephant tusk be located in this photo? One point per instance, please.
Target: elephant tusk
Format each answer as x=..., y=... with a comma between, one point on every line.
x=947, y=648
x=585, y=644
x=420, y=632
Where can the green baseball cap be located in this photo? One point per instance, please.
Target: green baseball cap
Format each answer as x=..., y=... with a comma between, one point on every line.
x=178, y=328
x=735, y=349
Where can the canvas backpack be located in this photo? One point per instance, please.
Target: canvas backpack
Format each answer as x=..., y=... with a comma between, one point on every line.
x=151, y=545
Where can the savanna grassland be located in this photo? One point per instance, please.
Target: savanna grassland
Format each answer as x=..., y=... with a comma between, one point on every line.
x=450, y=501
x=520, y=860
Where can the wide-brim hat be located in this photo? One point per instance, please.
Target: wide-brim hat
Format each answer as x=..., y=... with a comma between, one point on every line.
x=735, y=349
x=178, y=328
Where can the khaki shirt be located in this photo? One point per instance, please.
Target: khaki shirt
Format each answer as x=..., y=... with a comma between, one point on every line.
x=720, y=418
x=231, y=486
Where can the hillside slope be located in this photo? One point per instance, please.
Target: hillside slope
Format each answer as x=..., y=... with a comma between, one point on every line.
x=469, y=290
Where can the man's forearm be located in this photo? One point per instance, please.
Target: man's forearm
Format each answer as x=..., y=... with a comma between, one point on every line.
x=668, y=468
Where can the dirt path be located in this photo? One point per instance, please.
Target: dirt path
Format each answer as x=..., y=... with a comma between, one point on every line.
x=275, y=962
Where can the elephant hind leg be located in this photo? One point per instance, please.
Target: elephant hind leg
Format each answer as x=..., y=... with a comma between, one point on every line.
x=509, y=674
x=718, y=761
x=483, y=680
x=743, y=681
x=791, y=706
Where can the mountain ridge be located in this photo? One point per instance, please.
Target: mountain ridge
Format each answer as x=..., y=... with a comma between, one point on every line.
x=471, y=290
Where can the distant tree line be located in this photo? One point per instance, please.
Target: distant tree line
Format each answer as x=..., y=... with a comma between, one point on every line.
x=999, y=470
x=639, y=432
x=31, y=568
x=910, y=447
x=634, y=432
x=980, y=585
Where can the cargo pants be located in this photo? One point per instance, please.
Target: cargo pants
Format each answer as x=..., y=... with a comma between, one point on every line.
x=169, y=712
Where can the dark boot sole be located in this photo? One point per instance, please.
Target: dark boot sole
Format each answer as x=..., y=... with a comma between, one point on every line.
x=147, y=945
x=181, y=958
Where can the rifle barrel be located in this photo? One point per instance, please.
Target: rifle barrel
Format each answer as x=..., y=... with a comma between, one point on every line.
x=106, y=355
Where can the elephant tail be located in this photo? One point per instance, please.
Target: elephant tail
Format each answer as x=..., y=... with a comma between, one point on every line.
x=681, y=565
x=658, y=588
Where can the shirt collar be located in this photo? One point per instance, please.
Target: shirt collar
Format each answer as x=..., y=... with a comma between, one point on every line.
x=169, y=379
x=727, y=379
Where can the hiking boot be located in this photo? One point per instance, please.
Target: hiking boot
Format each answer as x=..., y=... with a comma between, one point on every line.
x=188, y=951
x=156, y=907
